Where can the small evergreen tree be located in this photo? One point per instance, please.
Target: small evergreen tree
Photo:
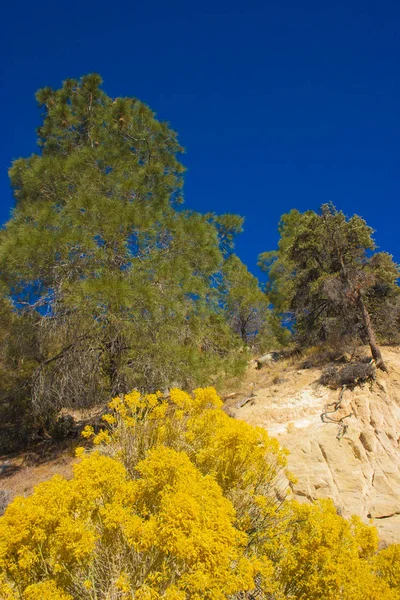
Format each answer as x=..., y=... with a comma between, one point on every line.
x=246, y=305
x=326, y=275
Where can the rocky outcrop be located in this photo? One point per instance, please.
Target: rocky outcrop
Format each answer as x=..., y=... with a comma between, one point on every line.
x=359, y=471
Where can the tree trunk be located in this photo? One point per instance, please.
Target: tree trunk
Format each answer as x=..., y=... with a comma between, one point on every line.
x=114, y=350
x=376, y=353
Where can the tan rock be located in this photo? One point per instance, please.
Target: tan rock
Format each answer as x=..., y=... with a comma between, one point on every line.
x=361, y=471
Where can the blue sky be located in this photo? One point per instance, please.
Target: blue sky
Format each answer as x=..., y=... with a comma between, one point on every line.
x=279, y=105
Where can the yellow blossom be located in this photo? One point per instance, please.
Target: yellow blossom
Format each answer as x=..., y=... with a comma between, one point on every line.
x=110, y=419
x=178, y=486
x=103, y=437
x=87, y=432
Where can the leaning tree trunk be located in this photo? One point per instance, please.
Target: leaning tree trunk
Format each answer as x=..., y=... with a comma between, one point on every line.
x=376, y=353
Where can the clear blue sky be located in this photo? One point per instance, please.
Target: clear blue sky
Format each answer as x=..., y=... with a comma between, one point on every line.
x=279, y=104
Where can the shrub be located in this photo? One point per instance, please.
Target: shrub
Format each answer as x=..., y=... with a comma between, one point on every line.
x=327, y=557
x=350, y=375
x=387, y=566
x=179, y=502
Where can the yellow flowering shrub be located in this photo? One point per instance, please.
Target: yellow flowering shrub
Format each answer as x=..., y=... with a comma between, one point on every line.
x=387, y=566
x=178, y=501
x=168, y=533
x=324, y=556
x=45, y=590
x=245, y=461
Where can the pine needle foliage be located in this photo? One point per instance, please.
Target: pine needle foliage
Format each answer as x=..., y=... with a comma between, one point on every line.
x=113, y=279
x=328, y=280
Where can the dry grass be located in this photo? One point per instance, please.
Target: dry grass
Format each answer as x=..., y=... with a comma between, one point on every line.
x=19, y=473
x=272, y=374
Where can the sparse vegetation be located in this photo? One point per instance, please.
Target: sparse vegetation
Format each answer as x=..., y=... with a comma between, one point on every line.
x=350, y=375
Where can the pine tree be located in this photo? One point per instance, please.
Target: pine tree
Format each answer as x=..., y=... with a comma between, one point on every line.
x=326, y=276
x=246, y=305
x=116, y=278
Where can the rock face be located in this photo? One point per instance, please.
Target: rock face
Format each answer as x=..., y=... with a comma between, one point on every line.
x=360, y=471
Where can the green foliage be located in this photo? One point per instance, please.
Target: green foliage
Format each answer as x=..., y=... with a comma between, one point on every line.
x=325, y=272
x=246, y=305
x=116, y=281
x=17, y=351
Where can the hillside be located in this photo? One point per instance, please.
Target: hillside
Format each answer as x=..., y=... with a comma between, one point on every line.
x=361, y=471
